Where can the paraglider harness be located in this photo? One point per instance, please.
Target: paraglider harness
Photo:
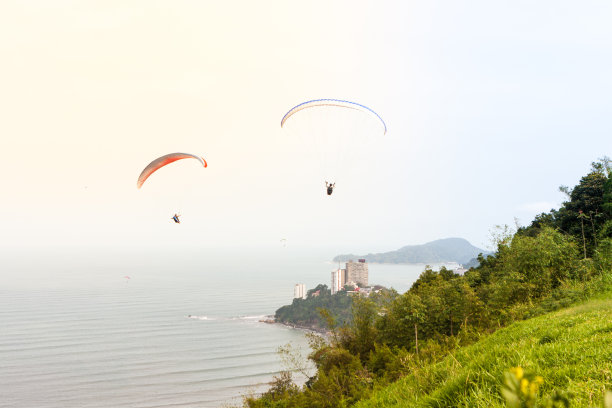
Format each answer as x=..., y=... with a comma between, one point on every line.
x=330, y=187
x=175, y=217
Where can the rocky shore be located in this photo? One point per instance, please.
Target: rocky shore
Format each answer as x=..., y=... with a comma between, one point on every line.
x=308, y=328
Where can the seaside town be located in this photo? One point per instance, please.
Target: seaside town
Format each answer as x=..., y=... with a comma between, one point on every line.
x=353, y=278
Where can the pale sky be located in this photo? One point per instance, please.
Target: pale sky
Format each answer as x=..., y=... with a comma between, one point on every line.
x=490, y=106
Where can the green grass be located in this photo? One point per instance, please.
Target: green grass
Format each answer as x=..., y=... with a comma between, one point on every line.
x=571, y=349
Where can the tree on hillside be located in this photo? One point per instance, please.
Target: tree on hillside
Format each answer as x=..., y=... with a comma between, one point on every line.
x=401, y=324
x=587, y=199
x=322, y=289
x=586, y=214
x=359, y=337
x=606, y=229
x=530, y=268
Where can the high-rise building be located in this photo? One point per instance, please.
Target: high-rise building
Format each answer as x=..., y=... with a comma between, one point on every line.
x=338, y=280
x=357, y=272
x=299, y=291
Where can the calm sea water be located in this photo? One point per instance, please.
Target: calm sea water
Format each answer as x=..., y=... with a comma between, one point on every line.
x=75, y=331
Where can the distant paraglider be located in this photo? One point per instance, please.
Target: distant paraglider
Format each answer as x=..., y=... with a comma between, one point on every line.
x=284, y=242
x=176, y=219
x=163, y=161
x=335, y=128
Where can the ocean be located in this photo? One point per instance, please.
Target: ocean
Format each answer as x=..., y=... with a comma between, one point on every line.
x=143, y=329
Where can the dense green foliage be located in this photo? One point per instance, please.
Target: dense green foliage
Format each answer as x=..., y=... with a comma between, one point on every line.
x=417, y=337
x=570, y=349
x=306, y=312
x=587, y=216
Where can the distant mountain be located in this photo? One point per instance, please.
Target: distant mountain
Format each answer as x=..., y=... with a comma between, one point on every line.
x=442, y=250
x=472, y=263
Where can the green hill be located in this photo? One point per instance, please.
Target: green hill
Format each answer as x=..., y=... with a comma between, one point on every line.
x=461, y=340
x=570, y=349
x=442, y=250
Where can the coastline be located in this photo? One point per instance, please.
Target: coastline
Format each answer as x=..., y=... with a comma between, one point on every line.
x=310, y=329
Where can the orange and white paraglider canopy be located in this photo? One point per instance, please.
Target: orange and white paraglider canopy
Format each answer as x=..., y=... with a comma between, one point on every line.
x=163, y=161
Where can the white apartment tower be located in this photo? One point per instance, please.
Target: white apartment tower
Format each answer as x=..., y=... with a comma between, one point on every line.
x=338, y=280
x=299, y=291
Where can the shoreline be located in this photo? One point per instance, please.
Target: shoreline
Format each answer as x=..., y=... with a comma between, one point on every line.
x=315, y=330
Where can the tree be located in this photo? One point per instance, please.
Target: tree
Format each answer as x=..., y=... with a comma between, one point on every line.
x=541, y=263
x=416, y=316
x=401, y=324
x=321, y=288
x=582, y=217
x=360, y=336
x=586, y=198
x=590, y=200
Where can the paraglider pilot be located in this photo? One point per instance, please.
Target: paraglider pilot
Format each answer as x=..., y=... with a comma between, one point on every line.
x=175, y=217
x=330, y=187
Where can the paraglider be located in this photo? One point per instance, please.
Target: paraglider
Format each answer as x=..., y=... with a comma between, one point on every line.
x=334, y=127
x=284, y=241
x=337, y=103
x=163, y=161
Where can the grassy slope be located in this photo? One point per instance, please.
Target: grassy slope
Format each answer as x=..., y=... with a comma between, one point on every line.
x=571, y=349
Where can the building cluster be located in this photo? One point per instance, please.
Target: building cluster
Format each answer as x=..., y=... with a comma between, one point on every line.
x=354, y=274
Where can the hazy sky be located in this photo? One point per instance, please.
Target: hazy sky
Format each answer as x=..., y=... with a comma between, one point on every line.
x=489, y=106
